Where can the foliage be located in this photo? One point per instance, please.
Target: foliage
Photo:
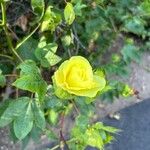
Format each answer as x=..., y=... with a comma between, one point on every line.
x=57, y=31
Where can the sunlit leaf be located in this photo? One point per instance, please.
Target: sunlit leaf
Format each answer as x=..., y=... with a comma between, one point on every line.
x=38, y=115
x=13, y=110
x=38, y=7
x=69, y=13
x=24, y=123
x=31, y=79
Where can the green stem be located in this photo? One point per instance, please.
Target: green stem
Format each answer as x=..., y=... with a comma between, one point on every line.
x=3, y=55
x=4, y=23
x=25, y=39
x=113, y=25
x=3, y=13
x=57, y=146
x=76, y=108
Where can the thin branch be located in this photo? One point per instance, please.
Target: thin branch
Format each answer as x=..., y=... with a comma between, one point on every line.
x=69, y=52
x=11, y=75
x=17, y=92
x=55, y=147
x=62, y=139
x=6, y=56
x=25, y=39
x=13, y=33
x=77, y=38
x=69, y=141
x=77, y=110
x=113, y=25
x=8, y=89
x=65, y=1
x=9, y=41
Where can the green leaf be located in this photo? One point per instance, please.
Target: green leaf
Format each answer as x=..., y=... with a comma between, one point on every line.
x=52, y=46
x=12, y=134
x=2, y=81
x=94, y=139
x=31, y=79
x=50, y=134
x=35, y=134
x=38, y=7
x=14, y=109
x=66, y=40
x=135, y=25
x=130, y=52
x=24, y=123
x=45, y=53
x=52, y=116
x=100, y=73
x=89, y=137
x=82, y=122
x=99, y=125
x=94, y=26
x=32, y=83
x=38, y=115
x=3, y=106
x=85, y=109
x=52, y=58
x=96, y=135
x=78, y=8
x=25, y=142
x=26, y=50
x=51, y=20
x=53, y=102
x=145, y=6
x=28, y=67
x=69, y=14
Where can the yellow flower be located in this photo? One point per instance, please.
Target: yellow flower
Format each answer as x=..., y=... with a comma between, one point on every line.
x=75, y=76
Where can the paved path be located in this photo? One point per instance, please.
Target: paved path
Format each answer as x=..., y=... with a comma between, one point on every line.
x=135, y=123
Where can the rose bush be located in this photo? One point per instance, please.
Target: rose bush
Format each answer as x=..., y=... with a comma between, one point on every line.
x=65, y=111
x=75, y=76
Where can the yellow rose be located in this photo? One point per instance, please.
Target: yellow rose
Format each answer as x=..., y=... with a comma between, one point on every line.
x=76, y=77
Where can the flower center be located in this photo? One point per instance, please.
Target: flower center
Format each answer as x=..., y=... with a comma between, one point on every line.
x=77, y=77
x=76, y=74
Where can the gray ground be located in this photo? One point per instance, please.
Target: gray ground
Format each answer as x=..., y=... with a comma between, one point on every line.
x=139, y=79
x=135, y=126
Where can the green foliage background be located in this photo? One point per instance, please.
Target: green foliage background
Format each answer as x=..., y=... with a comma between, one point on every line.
x=57, y=30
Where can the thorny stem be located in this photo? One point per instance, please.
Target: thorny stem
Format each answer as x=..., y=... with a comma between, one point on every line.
x=62, y=139
x=4, y=24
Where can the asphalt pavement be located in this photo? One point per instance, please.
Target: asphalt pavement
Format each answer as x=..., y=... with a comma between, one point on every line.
x=135, y=126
